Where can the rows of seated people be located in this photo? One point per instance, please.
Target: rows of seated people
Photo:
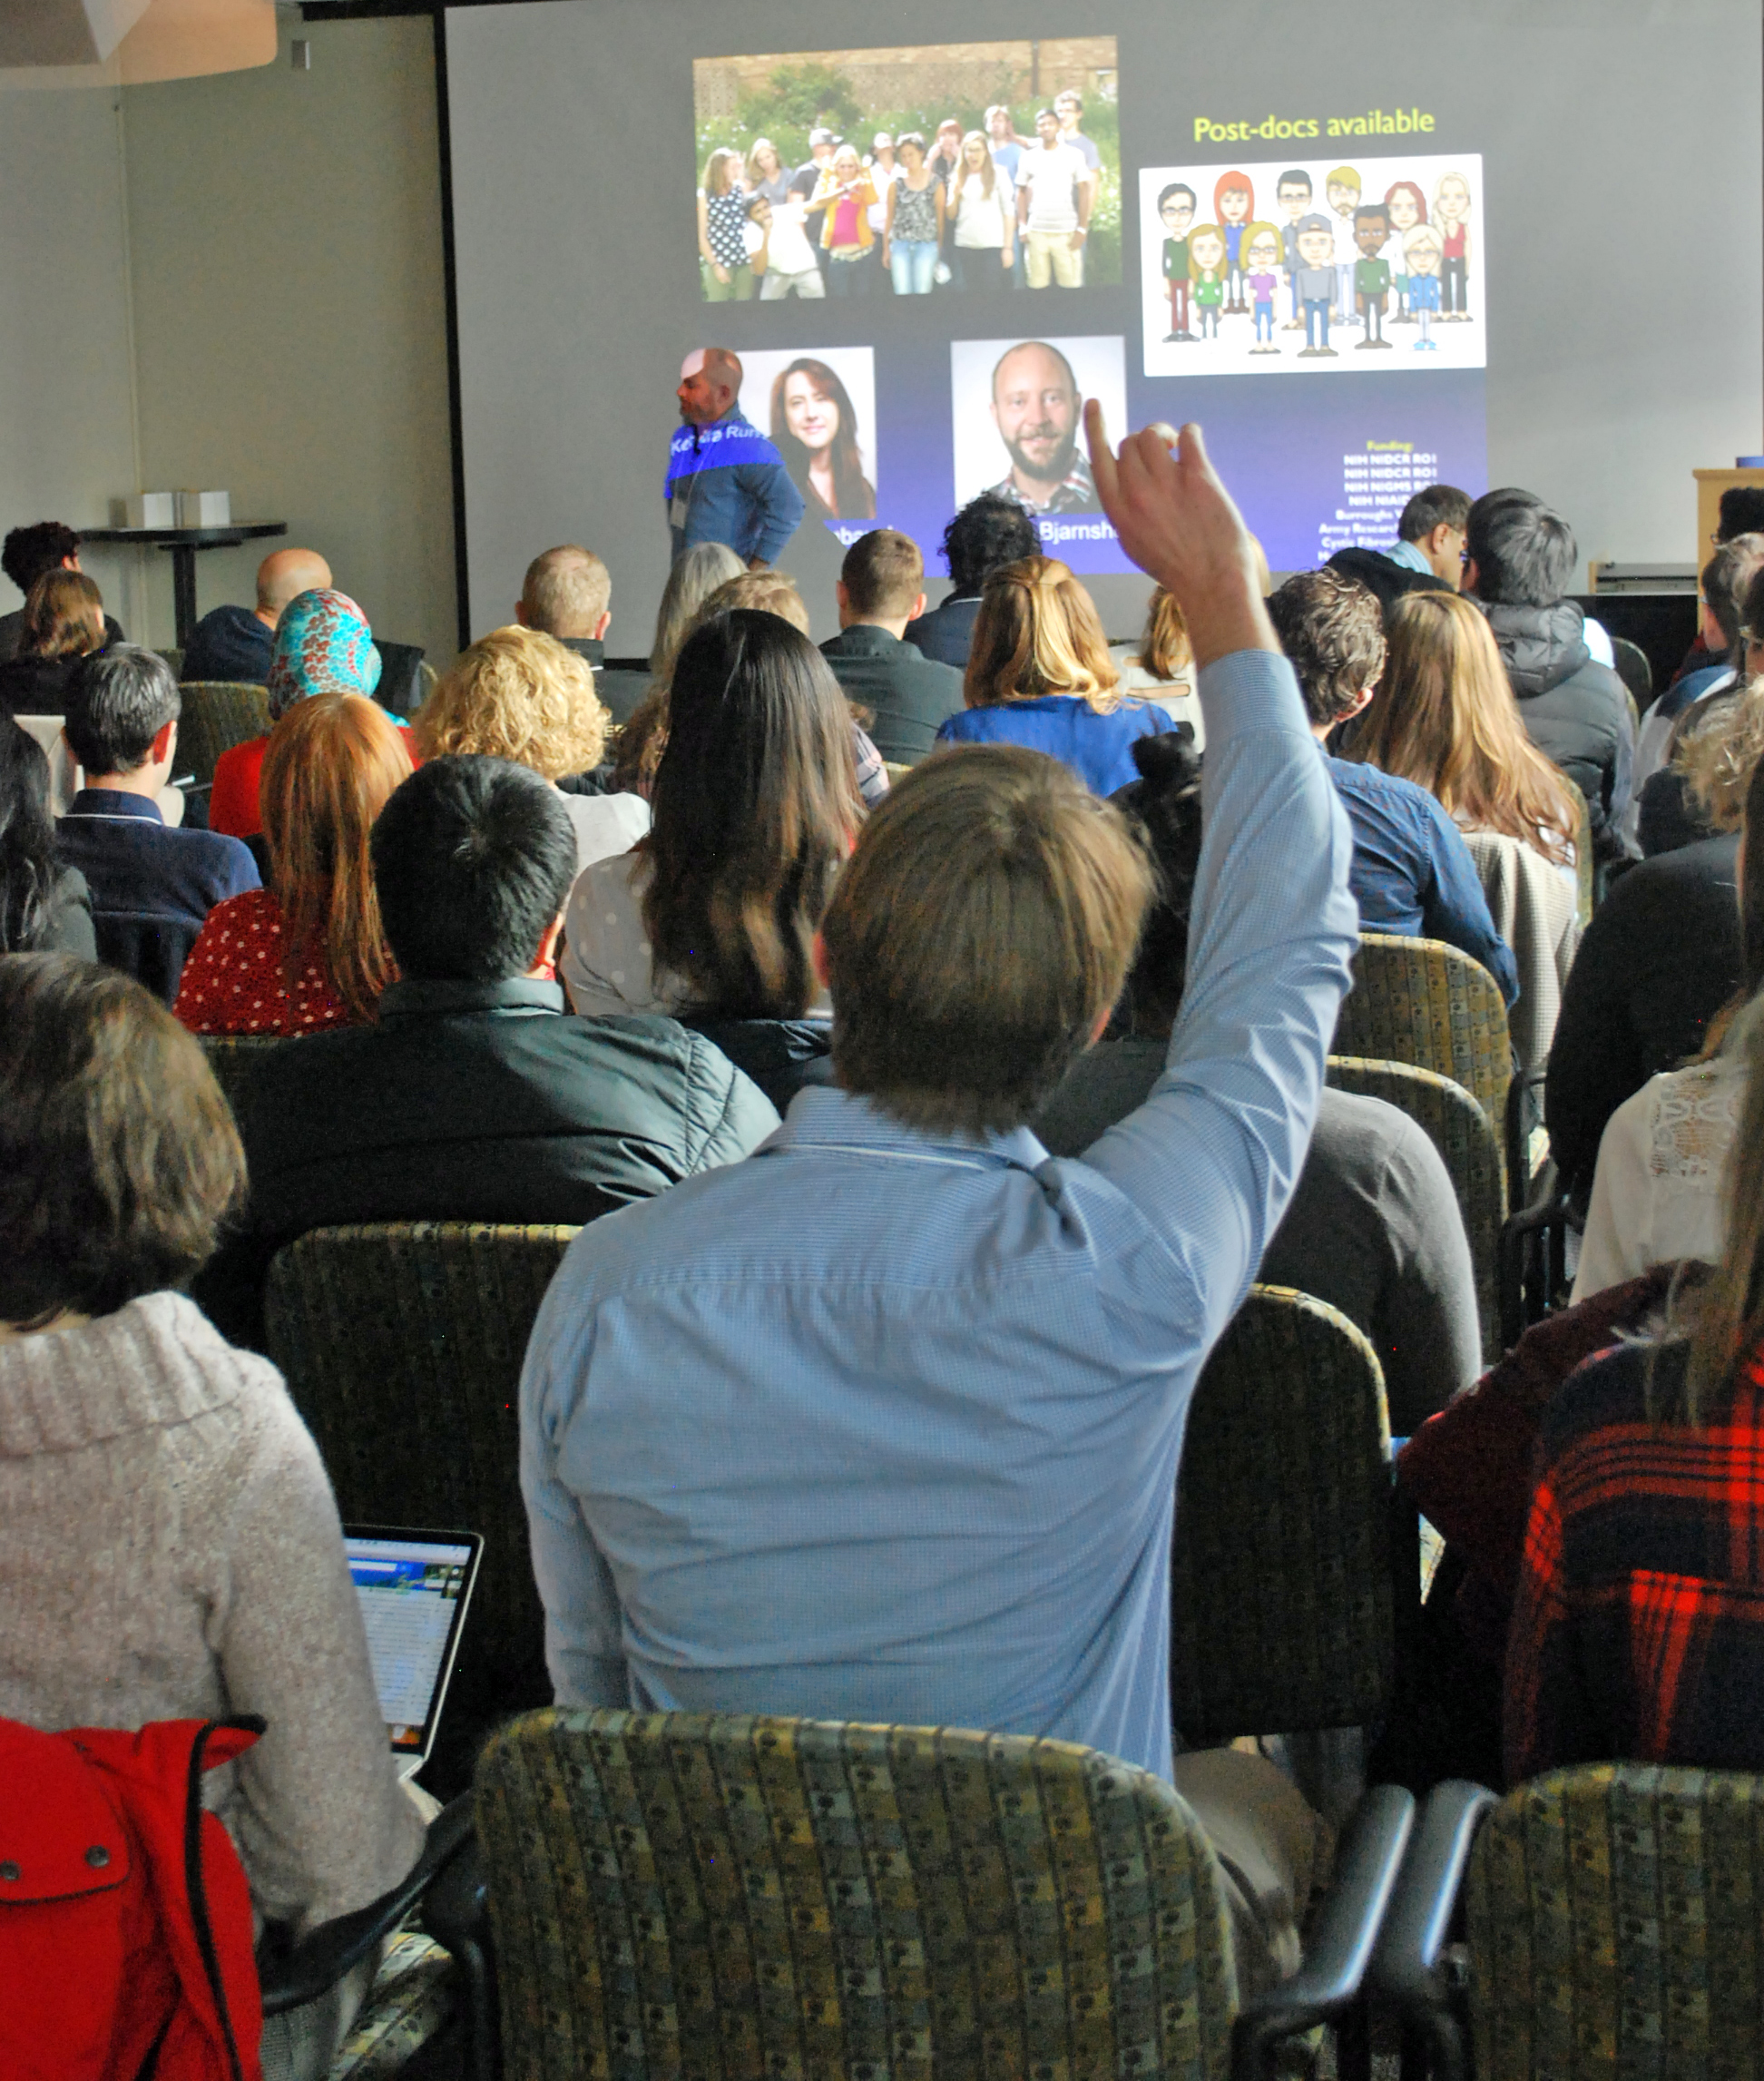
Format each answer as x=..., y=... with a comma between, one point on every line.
x=928, y=1033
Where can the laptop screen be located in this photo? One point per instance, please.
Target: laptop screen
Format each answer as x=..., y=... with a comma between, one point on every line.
x=413, y=1588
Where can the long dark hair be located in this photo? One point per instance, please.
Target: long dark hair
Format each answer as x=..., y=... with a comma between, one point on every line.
x=755, y=809
x=854, y=497
x=27, y=840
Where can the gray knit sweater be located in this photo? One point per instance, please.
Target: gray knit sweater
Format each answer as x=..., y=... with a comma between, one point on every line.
x=170, y=1549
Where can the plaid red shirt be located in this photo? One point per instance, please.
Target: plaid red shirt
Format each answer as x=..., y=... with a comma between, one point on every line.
x=1639, y=1631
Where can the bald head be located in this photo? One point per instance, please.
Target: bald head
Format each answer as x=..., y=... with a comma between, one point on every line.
x=710, y=383
x=565, y=592
x=285, y=576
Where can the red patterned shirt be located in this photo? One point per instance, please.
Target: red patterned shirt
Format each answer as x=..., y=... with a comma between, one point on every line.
x=1639, y=1631
x=233, y=981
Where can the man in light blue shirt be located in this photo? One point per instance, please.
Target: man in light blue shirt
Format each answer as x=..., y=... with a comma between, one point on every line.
x=883, y=1423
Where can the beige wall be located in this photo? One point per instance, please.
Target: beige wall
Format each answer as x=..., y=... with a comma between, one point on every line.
x=66, y=441
x=289, y=315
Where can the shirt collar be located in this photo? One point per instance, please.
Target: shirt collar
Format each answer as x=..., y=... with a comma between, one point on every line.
x=113, y=802
x=827, y=1118
x=413, y=998
x=866, y=638
x=1409, y=557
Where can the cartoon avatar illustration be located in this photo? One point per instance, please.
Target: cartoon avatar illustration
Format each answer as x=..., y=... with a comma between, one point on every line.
x=1451, y=206
x=1261, y=259
x=1292, y=191
x=1406, y=207
x=1234, y=204
x=1371, y=271
x=1343, y=189
x=1207, y=272
x=1421, y=255
x=1176, y=207
x=1316, y=281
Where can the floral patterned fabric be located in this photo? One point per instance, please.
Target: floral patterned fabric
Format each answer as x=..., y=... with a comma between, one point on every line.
x=323, y=645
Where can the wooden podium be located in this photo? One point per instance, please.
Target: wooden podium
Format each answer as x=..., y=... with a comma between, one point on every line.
x=1710, y=484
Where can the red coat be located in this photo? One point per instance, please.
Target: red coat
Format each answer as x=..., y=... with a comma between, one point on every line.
x=125, y=1917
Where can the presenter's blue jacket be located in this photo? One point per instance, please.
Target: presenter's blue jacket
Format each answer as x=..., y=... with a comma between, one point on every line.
x=751, y=503
x=1098, y=748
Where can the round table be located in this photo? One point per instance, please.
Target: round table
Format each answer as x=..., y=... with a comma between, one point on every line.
x=183, y=543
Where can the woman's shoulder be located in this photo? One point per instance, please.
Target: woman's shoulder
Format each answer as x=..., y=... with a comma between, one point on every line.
x=1608, y=1391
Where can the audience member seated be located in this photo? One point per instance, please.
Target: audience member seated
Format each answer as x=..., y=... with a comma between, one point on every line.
x=565, y=593
x=26, y=554
x=713, y=916
x=1373, y=1227
x=307, y=952
x=885, y=1425
x=62, y=621
x=168, y=1538
x=1741, y=511
x=696, y=573
x=1726, y=580
x=881, y=588
x=1657, y=1188
x=520, y=695
x=122, y=725
x=645, y=737
x=1412, y=873
x=1445, y=719
x=1660, y=960
x=236, y=643
x=1636, y=1630
x=1163, y=667
x=1519, y=560
x=322, y=645
x=45, y=905
x=474, y=1096
x=1429, y=556
x=1703, y=791
x=986, y=534
x=1039, y=674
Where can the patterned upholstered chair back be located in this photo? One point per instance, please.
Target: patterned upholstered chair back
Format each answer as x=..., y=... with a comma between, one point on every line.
x=1460, y=1129
x=1281, y=1593
x=1616, y=1927
x=676, y=1894
x=218, y=714
x=401, y=1344
x=233, y=1057
x=1422, y=1001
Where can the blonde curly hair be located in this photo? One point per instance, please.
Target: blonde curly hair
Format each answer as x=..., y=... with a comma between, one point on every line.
x=520, y=695
x=1719, y=754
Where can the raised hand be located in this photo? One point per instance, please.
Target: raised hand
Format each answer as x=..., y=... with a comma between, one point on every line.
x=1177, y=521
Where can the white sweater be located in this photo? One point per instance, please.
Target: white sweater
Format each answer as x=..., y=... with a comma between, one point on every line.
x=170, y=1549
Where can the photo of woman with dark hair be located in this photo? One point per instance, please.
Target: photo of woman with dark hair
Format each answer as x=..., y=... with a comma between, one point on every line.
x=815, y=428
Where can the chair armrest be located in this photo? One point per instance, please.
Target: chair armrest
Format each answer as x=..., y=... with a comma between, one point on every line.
x=1420, y=1917
x=1340, y=1946
x=301, y=1972
x=455, y=1914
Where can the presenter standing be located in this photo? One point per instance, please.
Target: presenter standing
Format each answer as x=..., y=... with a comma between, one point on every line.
x=726, y=481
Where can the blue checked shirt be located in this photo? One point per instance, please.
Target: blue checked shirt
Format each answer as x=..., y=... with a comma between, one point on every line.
x=885, y=1427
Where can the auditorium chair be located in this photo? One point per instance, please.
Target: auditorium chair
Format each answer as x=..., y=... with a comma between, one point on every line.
x=233, y=1057
x=401, y=1344
x=1423, y=1001
x=218, y=714
x=1611, y=1924
x=674, y=1894
x=1459, y=1129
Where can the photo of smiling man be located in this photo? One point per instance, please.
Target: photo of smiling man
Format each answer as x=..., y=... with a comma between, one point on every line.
x=1019, y=408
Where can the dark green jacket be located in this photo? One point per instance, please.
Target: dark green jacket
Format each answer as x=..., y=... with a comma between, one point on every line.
x=910, y=694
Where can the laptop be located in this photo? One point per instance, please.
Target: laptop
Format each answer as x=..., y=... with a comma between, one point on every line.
x=413, y=1587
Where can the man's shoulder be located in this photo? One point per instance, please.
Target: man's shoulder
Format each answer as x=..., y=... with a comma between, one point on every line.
x=1356, y=782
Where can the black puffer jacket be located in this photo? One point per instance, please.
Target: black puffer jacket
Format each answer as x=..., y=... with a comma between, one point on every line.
x=1385, y=579
x=1576, y=712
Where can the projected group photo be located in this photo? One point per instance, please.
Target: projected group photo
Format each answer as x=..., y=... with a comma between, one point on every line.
x=955, y=168
x=1284, y=269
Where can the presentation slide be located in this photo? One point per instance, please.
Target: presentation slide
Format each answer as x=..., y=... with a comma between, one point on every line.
x=929, y=252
